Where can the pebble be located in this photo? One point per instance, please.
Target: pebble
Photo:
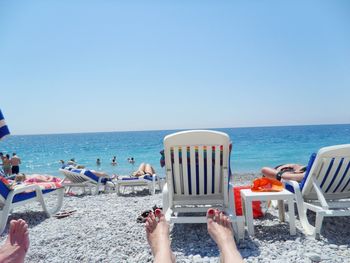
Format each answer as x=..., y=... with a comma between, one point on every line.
x=314, y=257
x=104, y=229
x=197, y=258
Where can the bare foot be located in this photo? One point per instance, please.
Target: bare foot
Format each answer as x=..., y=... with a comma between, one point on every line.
x=17, y=243
x=220, y=229
x=157, y=231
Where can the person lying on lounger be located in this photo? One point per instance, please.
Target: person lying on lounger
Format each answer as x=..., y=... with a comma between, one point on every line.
x=289, y=171
x=219, y=228
x=99, y=173
x=144, y=168
x=36, y=178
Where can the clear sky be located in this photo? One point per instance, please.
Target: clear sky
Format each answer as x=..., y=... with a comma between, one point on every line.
x=86, y=66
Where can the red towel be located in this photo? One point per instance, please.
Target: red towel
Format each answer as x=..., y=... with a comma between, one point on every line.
x=256, y=204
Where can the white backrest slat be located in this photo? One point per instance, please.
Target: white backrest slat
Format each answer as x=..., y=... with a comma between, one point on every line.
x=193, y=170
x=217, y=169
x=209, y=170
x=201, y=169
x=184, y=170
x=177, y=175
x=169, y=169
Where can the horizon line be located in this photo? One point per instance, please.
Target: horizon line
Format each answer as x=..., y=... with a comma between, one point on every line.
x=237, y=127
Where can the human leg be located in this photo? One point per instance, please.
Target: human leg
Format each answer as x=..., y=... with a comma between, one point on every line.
x=220, y=229
x=98, y=173
x=149, y=169
x=17, y=243
x=15, y=169
x=140, y=171
x=269, y=172
x=157, y=231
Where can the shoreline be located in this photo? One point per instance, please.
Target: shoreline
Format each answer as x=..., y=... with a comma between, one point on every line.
x=104, y=229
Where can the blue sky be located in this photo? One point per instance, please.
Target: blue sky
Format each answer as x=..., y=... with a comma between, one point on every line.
x=86, y=66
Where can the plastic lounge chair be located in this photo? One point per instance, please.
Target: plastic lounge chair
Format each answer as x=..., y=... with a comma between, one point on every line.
x=325, y=187
x=84, y=178
x=147, y=180
x=22, y=194
x=197, y=178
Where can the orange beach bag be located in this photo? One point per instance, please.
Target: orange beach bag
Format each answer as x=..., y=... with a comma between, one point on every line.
x=265, y=184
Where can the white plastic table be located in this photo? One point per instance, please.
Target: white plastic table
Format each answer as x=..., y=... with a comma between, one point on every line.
x=248, y=197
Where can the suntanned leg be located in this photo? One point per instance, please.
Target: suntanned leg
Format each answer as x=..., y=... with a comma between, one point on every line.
x=269, y=172
x=17, y=243
x=141, y=170
x=220, y=229
x=157, y=231
x=99, y=174
x=142, y=167
x=149, y=169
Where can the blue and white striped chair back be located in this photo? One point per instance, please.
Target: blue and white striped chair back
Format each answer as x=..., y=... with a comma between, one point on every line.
x=331, y=170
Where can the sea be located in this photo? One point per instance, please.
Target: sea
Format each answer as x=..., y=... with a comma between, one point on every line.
x=253, y=148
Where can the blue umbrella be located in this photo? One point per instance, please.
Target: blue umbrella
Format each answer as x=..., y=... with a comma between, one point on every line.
x=4, y=130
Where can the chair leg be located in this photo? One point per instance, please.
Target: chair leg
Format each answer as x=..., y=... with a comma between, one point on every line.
x=308, y=228
x=165, y=199
x=97, y=189
x=159, y=185
x=238, y=229
x=152, y=188
x=318, y=224
x=49, y=212
x=241, y=229
x=4, y=216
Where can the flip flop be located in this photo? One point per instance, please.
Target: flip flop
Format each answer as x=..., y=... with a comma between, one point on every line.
x=64, y=214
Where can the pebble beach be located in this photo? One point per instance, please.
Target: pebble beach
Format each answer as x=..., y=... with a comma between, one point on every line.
x=104, y=229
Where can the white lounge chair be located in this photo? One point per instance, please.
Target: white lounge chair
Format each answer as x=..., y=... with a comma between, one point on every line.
x=85, y=178
x=147, y=180
x=197, y=178
x=22, y=194
x=325, y=188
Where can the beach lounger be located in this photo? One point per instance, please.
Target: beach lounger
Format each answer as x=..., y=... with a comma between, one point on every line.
x=197, y=178
x=325, y=189
x=85, y=178
x=18, y=195
x=147, y=180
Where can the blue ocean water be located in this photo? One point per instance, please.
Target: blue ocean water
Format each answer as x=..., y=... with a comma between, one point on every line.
x=252, y=147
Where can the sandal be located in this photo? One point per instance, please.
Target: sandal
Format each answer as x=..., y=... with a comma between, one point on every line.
x=64, y=214
x=142, y=218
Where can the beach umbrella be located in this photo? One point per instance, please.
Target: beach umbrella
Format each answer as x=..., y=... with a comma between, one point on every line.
x=4, y=130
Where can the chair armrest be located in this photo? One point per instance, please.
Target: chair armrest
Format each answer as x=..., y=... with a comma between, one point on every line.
x=292, y=183
x=26, y=188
